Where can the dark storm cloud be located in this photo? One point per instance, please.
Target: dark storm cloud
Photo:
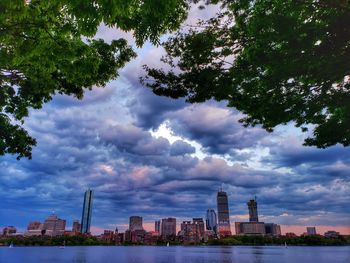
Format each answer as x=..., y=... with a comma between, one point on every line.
x=148, y=109
x=181, y=148
x=289, y=152
x=135, y=140
x=215, y=127
x=91, y=97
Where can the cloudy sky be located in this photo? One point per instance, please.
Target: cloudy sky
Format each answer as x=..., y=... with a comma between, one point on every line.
x=157, y=157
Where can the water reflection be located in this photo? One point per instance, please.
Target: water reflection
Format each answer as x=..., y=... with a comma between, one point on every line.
x=80, y=256
x=179, y=254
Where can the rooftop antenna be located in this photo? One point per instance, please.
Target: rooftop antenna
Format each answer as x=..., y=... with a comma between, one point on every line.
x=255, y=198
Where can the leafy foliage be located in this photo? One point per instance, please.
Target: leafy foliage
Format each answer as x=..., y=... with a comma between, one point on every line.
x=276, y=61
x=47, y=47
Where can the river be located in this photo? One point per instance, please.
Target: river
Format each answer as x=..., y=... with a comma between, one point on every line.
x=176, y=254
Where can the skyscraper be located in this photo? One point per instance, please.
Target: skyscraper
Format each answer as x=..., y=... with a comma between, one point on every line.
x=135, y=223
x=87, y=212
x=253, y=210
x=157, y=226
x=223, y=214
x=211, y=220
x=168, y=227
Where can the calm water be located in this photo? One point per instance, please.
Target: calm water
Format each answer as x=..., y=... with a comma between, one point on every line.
x=179, y=254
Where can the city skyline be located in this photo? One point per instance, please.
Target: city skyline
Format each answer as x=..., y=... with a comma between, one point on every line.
x=156, y=157
x=169, y=226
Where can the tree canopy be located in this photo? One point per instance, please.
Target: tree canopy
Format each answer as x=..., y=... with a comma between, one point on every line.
x=47, y=47
x=276, y=61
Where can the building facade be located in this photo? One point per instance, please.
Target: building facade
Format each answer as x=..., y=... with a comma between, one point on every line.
x=272, y=229
x=250, y=228
x=254, y=227
x=168, y=228
x=9, y=230
x=224, y=228
x=135, y=223
x=200, y=226
x=311, y=230
x=54, y=226
x=76, y=226
x=253, y=210
x=87, y=212
x=157, y=226
x=211, y=221
x=35, y=225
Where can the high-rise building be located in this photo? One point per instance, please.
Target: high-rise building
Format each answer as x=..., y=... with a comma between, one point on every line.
x=211, y=220
x=135, y=223
x=76, y=226
x=311, y=230
x=200, y=223
x=189, y=232
x=54, y=226
x=157, y=226
x=253, y=210
x=224, y=228
x=87, y=212
x=254, y=227
x=34, y=225
x=9, y=230
x=168, y=227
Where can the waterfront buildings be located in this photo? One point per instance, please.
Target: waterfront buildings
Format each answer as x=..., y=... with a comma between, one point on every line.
x=311, y=230
x=200, y=224
x=189, y=232
x=87, y=212
x=34, y=225
x=192, y=232
x=135, y=223
x=272, y=229
x=9, y=230
x=250, y=228
x=34, y=228
x=224, y=228
x=253, y=210
x=157, y=226
x=254, y=227
x=331, y=234
x=54, y=226
x=76, y=226
x=168, y=228
x=211, y=220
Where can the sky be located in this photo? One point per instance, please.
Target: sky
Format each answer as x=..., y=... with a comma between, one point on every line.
x=157, y=157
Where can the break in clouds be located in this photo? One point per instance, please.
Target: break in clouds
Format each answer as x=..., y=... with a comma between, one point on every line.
x=157, y=157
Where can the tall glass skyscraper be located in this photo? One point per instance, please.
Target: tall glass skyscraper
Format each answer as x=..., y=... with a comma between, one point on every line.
x=211, y=220
x=87, y=212
x=223, y=214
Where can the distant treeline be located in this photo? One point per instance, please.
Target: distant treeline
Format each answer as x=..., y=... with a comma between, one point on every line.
x=51, y=241
x=314, y=240
x=229, y=241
